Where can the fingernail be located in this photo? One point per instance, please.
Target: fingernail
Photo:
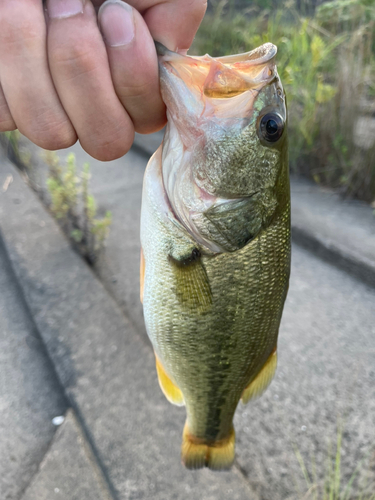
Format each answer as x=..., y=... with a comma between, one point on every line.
x=58, y=9
x=116, y=22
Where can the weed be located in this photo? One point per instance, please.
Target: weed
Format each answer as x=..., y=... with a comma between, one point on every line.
x=75, y=207
x=333, y=486
x=327, y=65
x=19, y=155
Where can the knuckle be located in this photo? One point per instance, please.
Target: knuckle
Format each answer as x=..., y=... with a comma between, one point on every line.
x=48, y=128
x=56, y=141
x=108, y=152
x=75, y=59
x=150, y=126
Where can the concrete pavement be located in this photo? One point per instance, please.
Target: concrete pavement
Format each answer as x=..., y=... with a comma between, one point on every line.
x=96, y=340
x=326, y=337
x=30, y=394
x=69, y=469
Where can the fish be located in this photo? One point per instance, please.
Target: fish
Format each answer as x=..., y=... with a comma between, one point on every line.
x=215, y=239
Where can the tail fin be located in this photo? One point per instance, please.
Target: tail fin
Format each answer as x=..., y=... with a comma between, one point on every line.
x=218, y=455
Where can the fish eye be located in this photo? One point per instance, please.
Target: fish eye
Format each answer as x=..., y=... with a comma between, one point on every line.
x=271, y=127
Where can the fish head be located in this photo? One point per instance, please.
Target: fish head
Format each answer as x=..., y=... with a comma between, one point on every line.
x=226, y=133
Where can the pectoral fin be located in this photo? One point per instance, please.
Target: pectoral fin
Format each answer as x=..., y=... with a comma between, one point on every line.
x=257, y=386
x=170, y=390
x=191, y=283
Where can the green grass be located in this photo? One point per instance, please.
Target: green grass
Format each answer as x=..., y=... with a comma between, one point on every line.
x=327, y=66
x=75, y=207
x=333, y=486
x=69, y=198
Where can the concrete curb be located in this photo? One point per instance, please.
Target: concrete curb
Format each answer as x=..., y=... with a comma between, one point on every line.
x=316, y=236
x=356, y=265
x=69, y=469
x=339, y=231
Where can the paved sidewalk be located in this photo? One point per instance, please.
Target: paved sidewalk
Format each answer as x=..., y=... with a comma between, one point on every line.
x=96, y=339
x=338, y=230
x=30, y=395
x=69, y=470
x=326, y=343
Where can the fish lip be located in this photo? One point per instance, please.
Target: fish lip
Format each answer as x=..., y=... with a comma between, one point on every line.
x=266, y=53
x=269, y=52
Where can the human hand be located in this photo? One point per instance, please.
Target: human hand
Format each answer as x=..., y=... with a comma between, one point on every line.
x=66, y=72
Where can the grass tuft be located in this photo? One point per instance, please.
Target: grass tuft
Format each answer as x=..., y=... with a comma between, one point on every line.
x=333, y=486
x=75, y=207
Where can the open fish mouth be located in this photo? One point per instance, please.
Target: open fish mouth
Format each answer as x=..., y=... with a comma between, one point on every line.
x=222, y=77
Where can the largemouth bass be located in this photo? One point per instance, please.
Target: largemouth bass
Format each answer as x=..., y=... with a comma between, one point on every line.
x=215, y=235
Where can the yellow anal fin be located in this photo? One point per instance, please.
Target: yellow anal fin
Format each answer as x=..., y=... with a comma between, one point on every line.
x=196, y=454
x=170, y=390
x=257, y=386
x=192, y=286
x=142, y=275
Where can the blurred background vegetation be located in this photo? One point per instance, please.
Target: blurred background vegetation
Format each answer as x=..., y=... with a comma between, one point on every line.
x=326, y=61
